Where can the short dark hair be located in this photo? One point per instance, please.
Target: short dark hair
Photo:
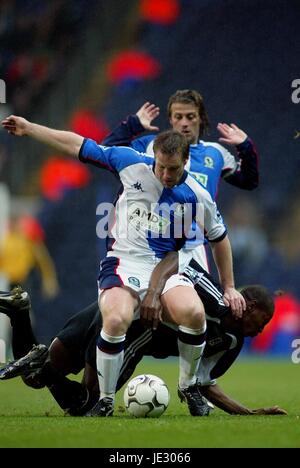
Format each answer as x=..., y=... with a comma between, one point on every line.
x=172, y=142
x=262, y=297
x=190, y=96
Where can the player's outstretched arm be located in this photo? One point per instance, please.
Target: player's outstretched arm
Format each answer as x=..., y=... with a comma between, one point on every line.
x=134, y=125
x=146, y=114
x=273, y=410
x=246, y=173
x=65, y=142
x=216, y=395
x=223, y=259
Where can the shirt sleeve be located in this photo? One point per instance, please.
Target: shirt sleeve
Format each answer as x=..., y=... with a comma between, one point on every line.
x=144, y=144
x=217, y=363
x=123, y=134
x=112, y=158
x=245, y=175
x=230, y=163
x=126, y=135
x=209, y=218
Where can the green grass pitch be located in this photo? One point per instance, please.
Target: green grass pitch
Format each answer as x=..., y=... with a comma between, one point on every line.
x=31, y=418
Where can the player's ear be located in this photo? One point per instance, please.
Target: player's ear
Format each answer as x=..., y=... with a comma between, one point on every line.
x=251, y=305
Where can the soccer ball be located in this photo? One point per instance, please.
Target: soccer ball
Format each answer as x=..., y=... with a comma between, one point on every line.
x=146, y=396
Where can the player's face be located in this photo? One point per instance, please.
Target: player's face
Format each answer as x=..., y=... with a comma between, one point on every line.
x=186, y=120
x=169, y=169
x=255, y=321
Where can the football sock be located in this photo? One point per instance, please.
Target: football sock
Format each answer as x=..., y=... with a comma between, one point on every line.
x=70, y=395
x=22, y=334
x=110, y=355
x=191, y=344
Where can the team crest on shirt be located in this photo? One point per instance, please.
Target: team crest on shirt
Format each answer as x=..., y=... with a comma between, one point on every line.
x=202, y=178
x=134, y=281
x=208, y=162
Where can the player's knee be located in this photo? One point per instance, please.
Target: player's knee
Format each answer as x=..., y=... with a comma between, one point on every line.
x=117, y=310
x=193, y=315
x=34, y=381
x=116, y=324
x=196, y=319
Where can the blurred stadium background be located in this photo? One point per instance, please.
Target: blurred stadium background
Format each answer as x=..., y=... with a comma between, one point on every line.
x=85, y=65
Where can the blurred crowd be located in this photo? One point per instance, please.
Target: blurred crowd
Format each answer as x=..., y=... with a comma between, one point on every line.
x=36, y=38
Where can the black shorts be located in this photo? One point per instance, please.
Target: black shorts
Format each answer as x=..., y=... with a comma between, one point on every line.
x=80, y=334
x=209, y=291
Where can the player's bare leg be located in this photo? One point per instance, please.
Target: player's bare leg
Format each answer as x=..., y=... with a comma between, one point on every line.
x=117, y=306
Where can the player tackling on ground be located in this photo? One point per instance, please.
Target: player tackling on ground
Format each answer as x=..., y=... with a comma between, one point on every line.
x=158, y=195
x=74, y=346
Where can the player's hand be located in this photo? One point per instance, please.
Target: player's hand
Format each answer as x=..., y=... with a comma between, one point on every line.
x=234, y=299
x=151, y=310
x=16, y=125
x=146, y=114
x=231, y=134
x=272, y=411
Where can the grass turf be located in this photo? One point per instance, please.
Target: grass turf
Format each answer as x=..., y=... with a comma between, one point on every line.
x=31, y=418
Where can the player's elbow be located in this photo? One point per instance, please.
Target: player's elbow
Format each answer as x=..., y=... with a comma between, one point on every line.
x=73, y=149
x=72, y=144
